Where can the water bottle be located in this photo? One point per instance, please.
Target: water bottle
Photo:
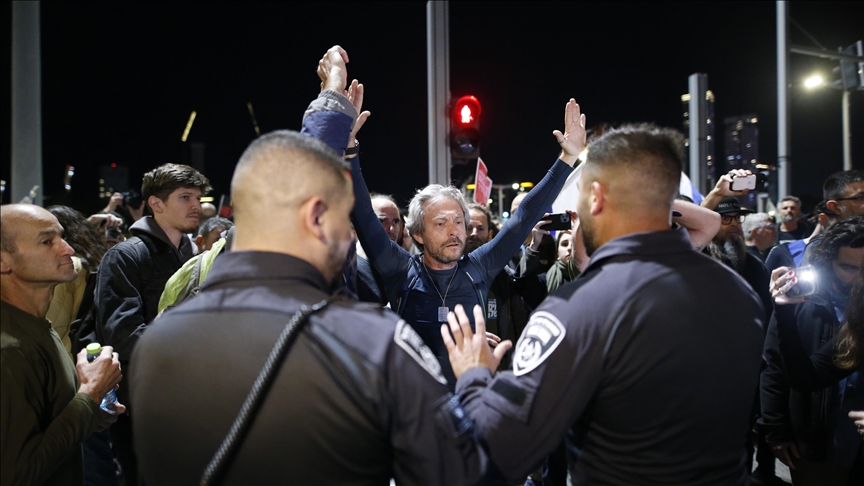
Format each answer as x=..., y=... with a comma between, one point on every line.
x=93, y=351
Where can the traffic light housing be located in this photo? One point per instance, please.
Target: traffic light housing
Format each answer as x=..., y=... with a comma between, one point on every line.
x=465, y=128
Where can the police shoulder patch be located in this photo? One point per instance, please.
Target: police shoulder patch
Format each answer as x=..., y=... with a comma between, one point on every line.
x=541, y=336
x=408, y=339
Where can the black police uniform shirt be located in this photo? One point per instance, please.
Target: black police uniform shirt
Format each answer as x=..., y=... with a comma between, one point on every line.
x=648, y=362
x=359, y=398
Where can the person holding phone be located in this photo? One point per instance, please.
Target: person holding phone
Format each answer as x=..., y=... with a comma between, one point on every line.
x=808, y=428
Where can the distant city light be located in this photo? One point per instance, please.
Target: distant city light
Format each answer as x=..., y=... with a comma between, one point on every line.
x=813, y=81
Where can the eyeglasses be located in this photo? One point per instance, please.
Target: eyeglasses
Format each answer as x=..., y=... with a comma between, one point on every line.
x=729, y=219
x=853, y=198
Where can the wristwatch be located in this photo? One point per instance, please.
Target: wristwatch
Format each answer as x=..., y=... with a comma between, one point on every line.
x=353, y=150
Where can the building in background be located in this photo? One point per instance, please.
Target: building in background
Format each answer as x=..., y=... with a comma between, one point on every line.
x=709, y=165
x=741, y=143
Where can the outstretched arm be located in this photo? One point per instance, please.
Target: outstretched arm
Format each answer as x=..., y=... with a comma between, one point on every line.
x=724, y=188
x=493, y=256
x=700, y=222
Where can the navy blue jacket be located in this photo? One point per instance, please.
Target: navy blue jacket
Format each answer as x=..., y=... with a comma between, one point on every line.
x=648, y=363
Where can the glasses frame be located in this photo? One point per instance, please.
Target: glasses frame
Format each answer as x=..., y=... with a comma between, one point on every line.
x=727, y=220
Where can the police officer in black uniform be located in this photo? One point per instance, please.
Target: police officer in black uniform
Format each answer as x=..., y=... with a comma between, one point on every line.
x=359, y=399
x=647, y=363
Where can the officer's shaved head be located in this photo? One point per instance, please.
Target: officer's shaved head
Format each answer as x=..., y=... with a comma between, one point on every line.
x=281, y=170
x=292, y=194
x=643, y=161
x=629, y=180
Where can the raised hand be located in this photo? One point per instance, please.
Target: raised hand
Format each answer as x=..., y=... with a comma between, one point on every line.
x=355, y=96
x=332, y=70
x=573, y=139
x=782, y=280
x=468, y=349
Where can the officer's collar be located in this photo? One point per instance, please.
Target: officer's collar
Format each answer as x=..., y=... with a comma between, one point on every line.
x=645, y=243
x=262, y=265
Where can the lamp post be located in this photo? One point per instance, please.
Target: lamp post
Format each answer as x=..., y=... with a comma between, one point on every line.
x=816, y=81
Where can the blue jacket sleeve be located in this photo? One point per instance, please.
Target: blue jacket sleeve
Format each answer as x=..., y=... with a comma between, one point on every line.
x=387, y=257
x=492, y=256
x=330, y=118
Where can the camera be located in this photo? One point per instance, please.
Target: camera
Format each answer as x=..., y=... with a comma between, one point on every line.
x=558, y=221
x=753, y=182
x=808, y=282
x=132, y=199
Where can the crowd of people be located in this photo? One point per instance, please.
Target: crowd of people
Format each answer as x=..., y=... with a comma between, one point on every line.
x=324, y=335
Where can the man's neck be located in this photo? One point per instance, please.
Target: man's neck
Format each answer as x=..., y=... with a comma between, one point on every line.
x=31, y=299
x=434, y=264
x=174, y=235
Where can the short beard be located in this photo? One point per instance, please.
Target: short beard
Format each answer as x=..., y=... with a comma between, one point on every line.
x=588, y=237
x=732, y=252
x=440, y=257
x=787, y=218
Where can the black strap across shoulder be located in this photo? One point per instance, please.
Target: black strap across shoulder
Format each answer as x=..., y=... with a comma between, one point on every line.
x=222, y=459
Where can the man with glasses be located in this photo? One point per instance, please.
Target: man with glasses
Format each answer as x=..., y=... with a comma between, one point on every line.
x=844, y=193
x=728, y=247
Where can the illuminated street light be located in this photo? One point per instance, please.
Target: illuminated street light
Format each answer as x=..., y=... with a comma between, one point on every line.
x=813, y=81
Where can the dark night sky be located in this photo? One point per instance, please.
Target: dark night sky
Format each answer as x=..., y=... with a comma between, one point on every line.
x=120, y=79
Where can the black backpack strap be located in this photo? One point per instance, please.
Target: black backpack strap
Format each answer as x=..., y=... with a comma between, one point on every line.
x=222, y=459
x=82, y=331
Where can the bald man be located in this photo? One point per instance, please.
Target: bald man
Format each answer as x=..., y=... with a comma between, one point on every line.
x=648, y=363
x=42, y=419
x=357, y=400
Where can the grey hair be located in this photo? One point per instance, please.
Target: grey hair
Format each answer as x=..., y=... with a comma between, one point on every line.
x=432, y=193
x=793, y=199
x=753, y=221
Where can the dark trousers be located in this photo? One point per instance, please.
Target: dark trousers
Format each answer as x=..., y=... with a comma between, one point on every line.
x=121, y=434
x=99, y=466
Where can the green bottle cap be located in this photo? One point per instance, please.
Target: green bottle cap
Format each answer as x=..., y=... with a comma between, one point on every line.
x=94, y=348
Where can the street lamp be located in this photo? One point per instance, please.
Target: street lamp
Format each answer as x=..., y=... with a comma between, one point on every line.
x=813, y=81
x=816, y=81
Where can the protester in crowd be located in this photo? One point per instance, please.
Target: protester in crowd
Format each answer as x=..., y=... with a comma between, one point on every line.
x=370, y=284
x=133, y=275
x=357, y=399
x=809, y=431
x=760, y=234
x=566, y=267
x=728, y=247
x=208, y=210
x=423, y=288
x=186, y=282
x=89, y=246
x=791, y=253
x=211, y=231
x=792, y=226
x=129, y=206
x=838, y=357
x=587, y=366
x=42, y=419
x=510, y=297
x=844, y=193
x=536, y=255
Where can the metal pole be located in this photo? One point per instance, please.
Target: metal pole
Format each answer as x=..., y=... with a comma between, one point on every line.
x=438, y=88
x=26, y=102
x=784, y=175
x=847, y=137
x=698, y=114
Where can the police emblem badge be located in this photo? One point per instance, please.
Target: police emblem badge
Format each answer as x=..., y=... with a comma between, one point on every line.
x=542, y=335
x=408, y=339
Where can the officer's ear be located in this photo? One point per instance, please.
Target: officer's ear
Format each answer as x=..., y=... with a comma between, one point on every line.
x=312, y=213
x=597, y=198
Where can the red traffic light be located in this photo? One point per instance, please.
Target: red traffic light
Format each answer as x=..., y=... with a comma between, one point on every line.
x=466, y=110
x=465, y=128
